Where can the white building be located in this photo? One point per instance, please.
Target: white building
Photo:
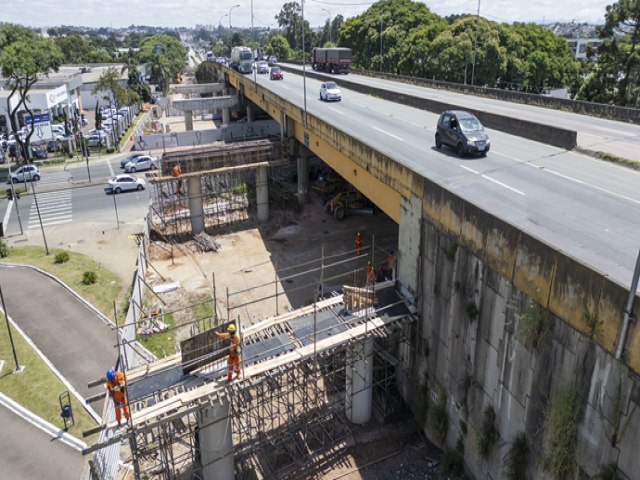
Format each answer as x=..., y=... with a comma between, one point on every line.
x=578, y=46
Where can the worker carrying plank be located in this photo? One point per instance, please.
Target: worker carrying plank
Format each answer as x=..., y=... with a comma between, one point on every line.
x=234, y=349
x=117, y=388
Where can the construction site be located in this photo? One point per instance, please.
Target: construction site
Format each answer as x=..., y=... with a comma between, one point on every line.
x=326, y=335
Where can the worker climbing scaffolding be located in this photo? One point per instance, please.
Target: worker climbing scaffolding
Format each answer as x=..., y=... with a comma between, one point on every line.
x=117, y=388
x=176, y=172
x=234, y=349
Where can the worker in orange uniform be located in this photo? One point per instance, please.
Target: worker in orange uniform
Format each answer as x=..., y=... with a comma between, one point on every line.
x=234, y=349
x=391, y=264
x=176, y=172
x=358, y=243
x=370, y=274
x=117, y=389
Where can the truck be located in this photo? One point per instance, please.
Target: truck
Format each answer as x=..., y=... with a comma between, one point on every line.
x=241, y=59
x=331, y=60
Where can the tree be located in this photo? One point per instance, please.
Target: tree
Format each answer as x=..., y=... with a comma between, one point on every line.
x=279, y=46
x=23, y=56
x=393, y=20
x=167, y=58
x=616, y=78
x=290, y=20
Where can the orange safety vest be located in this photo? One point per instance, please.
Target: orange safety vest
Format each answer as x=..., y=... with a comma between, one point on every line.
x=117, y=388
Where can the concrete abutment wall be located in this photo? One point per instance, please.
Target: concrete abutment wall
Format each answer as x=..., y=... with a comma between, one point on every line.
x=477, y=277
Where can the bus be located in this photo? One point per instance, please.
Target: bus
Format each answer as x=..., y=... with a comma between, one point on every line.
x=241, y=59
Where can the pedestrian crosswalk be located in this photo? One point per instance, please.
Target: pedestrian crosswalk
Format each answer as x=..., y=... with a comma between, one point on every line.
x=55, y=208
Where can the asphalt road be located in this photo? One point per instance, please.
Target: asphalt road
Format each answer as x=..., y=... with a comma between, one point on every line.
x=619, y=138
x=48, y=458
x=582, y=206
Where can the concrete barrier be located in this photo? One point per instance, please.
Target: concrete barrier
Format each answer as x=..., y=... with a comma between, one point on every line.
x=556, y=136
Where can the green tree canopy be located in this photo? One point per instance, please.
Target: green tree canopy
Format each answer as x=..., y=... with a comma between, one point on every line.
x=279, y=46
x=167, y=58
x=23, y=57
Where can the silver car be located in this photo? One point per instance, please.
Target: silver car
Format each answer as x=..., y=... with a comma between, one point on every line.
x=329, y=91
x=25, y=172
x=124, y=183
x=143, y=162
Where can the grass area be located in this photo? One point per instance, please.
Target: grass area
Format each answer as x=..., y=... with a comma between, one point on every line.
x=108, y=287
x=36, y=387
x=161, y=343
x=203, y=313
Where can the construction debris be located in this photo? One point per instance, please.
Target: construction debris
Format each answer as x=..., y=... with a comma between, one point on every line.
x=204, y=243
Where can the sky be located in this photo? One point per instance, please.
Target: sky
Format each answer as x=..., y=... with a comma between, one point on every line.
x=189, y=13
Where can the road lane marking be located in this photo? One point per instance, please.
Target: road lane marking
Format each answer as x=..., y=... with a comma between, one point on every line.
x=387, y=133
x=335, y=110
x=498, y=182
x=571, y=179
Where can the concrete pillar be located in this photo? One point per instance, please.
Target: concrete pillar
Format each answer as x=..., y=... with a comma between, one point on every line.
x=303, y=176
x=359, y=372
x=196, y=207
x=250, y=113
x=216, y=446
x=188, y=120
x=262, y=194
x=226, y=116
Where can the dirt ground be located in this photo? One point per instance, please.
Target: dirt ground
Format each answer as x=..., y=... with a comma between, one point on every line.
x=251, y=262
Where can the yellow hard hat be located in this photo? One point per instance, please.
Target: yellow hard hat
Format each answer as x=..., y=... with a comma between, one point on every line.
x=231, y=328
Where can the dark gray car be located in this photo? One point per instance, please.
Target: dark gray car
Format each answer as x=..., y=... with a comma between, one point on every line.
x=462, y=131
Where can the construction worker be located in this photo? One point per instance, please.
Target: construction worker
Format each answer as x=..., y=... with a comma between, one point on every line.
x=370, y=274
x=358, y=243
x=234, y=349
x=176, y=172
x=391, y=264
x=117, y=389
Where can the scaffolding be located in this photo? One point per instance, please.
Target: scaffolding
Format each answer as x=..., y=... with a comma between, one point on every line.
x=227, y=175
x=289, y=405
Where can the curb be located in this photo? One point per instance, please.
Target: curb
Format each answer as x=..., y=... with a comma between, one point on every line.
x=42, y=424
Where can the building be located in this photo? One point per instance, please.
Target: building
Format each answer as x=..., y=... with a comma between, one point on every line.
x=579, y=46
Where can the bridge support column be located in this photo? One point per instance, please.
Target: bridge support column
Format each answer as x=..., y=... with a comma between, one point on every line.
x=359, y=380
x=216, y=446
x=303, y=176
x=226, y=116
x=250, y=113
x=262, y=194
x=196, y=208
x=188, y=120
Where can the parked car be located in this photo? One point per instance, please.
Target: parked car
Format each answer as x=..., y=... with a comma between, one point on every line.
x=143, y=162
x=39, y=153
x=462, y=131
x=330, y=91
x=276, y=73
x=130, y=157
x=263, y=67
x=97, y=139
x=25, y=172
x=124, y=183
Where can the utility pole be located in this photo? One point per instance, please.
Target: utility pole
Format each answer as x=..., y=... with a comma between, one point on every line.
x=6, y=318
x=475, y=46
x=304, y=68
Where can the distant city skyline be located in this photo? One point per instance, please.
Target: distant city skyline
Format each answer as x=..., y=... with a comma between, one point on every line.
x=189, y=13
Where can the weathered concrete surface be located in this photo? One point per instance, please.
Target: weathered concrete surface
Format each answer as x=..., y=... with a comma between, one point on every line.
x=477, y=277
x=205, y=104
x=197, y=88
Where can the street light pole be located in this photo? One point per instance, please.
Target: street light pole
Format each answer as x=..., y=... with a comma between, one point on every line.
x=330, y=29
x=475, y=45
x=304, y=68
x=223, y=16
x=380, y=44
x=6, y=318
x=230, y=10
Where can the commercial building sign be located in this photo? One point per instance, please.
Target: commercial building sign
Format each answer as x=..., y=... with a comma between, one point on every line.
x=56, y=96
x=41, y=126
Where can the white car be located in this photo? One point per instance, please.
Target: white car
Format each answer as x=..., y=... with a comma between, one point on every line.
x=25, y=172
x=143, y=162
x=130, y=158
x=124, y=183
x=330, y=91
x=263, y=67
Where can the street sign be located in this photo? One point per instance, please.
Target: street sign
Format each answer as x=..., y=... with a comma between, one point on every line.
x=41, y=127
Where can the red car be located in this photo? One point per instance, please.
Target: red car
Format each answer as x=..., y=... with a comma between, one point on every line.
x=276, y=73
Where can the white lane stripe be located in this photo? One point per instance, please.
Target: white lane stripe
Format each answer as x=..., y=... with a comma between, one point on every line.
x=572, y=179
x=497, y=182
x=387, y=133
x=581, y=182
x=337, y=111
x=48, y=224
x=33, y=215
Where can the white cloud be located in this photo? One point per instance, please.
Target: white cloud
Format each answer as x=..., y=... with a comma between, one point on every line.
x=174, y=13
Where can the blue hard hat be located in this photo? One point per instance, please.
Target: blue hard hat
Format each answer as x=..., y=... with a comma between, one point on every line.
x=111, y=374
